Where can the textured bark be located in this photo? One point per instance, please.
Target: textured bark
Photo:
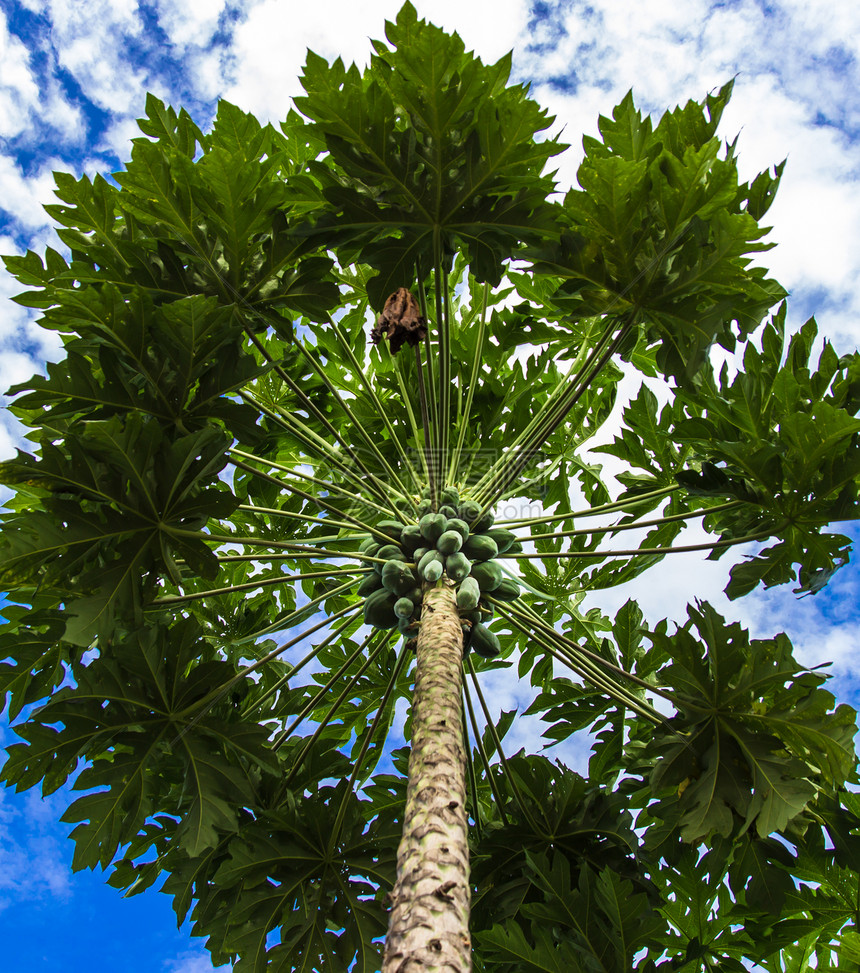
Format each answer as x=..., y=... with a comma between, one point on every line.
x=428, y=929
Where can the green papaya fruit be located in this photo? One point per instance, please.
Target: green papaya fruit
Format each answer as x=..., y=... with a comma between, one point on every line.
x=410, y=539
x=425, y=507
x=388, y=552
x=469, y=510
x=448, y=511
x=449, y=543
x=458, y=566
x=504, y=538
x=450, y=496
x=468, y=594
x=433, y=571
x=432, y=527
x=460, y=526
x=488, y=574
x=484, y=523
x=403, y=607
x=479, y=547
x=372, y=582
x=485, y=642
x=508, y=590
x=379, y=609
x=428, y=558
x=515, y=548
x=414, y=595
x=370, y=546
x=397, y=577
x=391, y=528
x=418, y=553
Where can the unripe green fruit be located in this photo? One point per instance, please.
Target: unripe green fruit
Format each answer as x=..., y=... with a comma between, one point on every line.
x=485, y=522
x=449, y=543
x=432, y=527
x=480, y=547
x=397, y=577
x=468, y=594
x=388, y=552
x=488, y=574
x=429, y=558
x=485, y=642
x=410, y=539
x=469, y=510
x=508, y=590
x=372, y=582
x=391, y=528
x=504, y=538
x=458, y=566
x=403, y=607
x=379, y=609
x=450, y=496
x=460, y=526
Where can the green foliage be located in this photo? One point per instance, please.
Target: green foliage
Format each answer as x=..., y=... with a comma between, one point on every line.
x=660, y=230
x=227, y=480
x=755, y=737
x=433, y=152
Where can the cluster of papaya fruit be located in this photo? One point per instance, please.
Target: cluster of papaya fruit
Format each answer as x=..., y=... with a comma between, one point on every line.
x=458, y=540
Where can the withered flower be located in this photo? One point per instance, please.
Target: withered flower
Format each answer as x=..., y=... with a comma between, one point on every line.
x=401, y=321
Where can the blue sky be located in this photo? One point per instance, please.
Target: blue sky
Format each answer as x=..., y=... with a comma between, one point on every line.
x=73, y=77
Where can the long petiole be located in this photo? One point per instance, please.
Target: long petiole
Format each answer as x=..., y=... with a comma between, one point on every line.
x=432, y=403
x=314, y=411
x=655, y=550
x=306, y=496
x=393, y=479
x=310, y=478
x=590, y=673
x=365, y=743
x=491, y=726
x=383, y=415
x=320, y=694
x=209, y=700
x=533, y=431
x=250, y=586
x=635, y=526
x=315, y=444
x=429, y=449
x=406, y=400
x=335, y=706
x=622, y=504
x=473, y=381
x=510, y=472
x=479, y=743
x=294, y=670
x=527, y=615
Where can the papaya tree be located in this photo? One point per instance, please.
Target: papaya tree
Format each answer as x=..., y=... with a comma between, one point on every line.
x=324, y=449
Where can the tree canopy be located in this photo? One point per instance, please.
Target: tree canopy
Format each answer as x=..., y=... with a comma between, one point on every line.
x=223, y=455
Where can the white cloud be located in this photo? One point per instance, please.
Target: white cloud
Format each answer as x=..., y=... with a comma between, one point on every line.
x=192, y=961
x=34, y=863
x=269, y=46
x=92, y=43
x=23, y=196
x=27, y=102
x=192, y=23
x=795, y=72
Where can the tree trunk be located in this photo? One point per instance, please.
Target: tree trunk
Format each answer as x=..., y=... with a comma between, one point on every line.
x=428, y=930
